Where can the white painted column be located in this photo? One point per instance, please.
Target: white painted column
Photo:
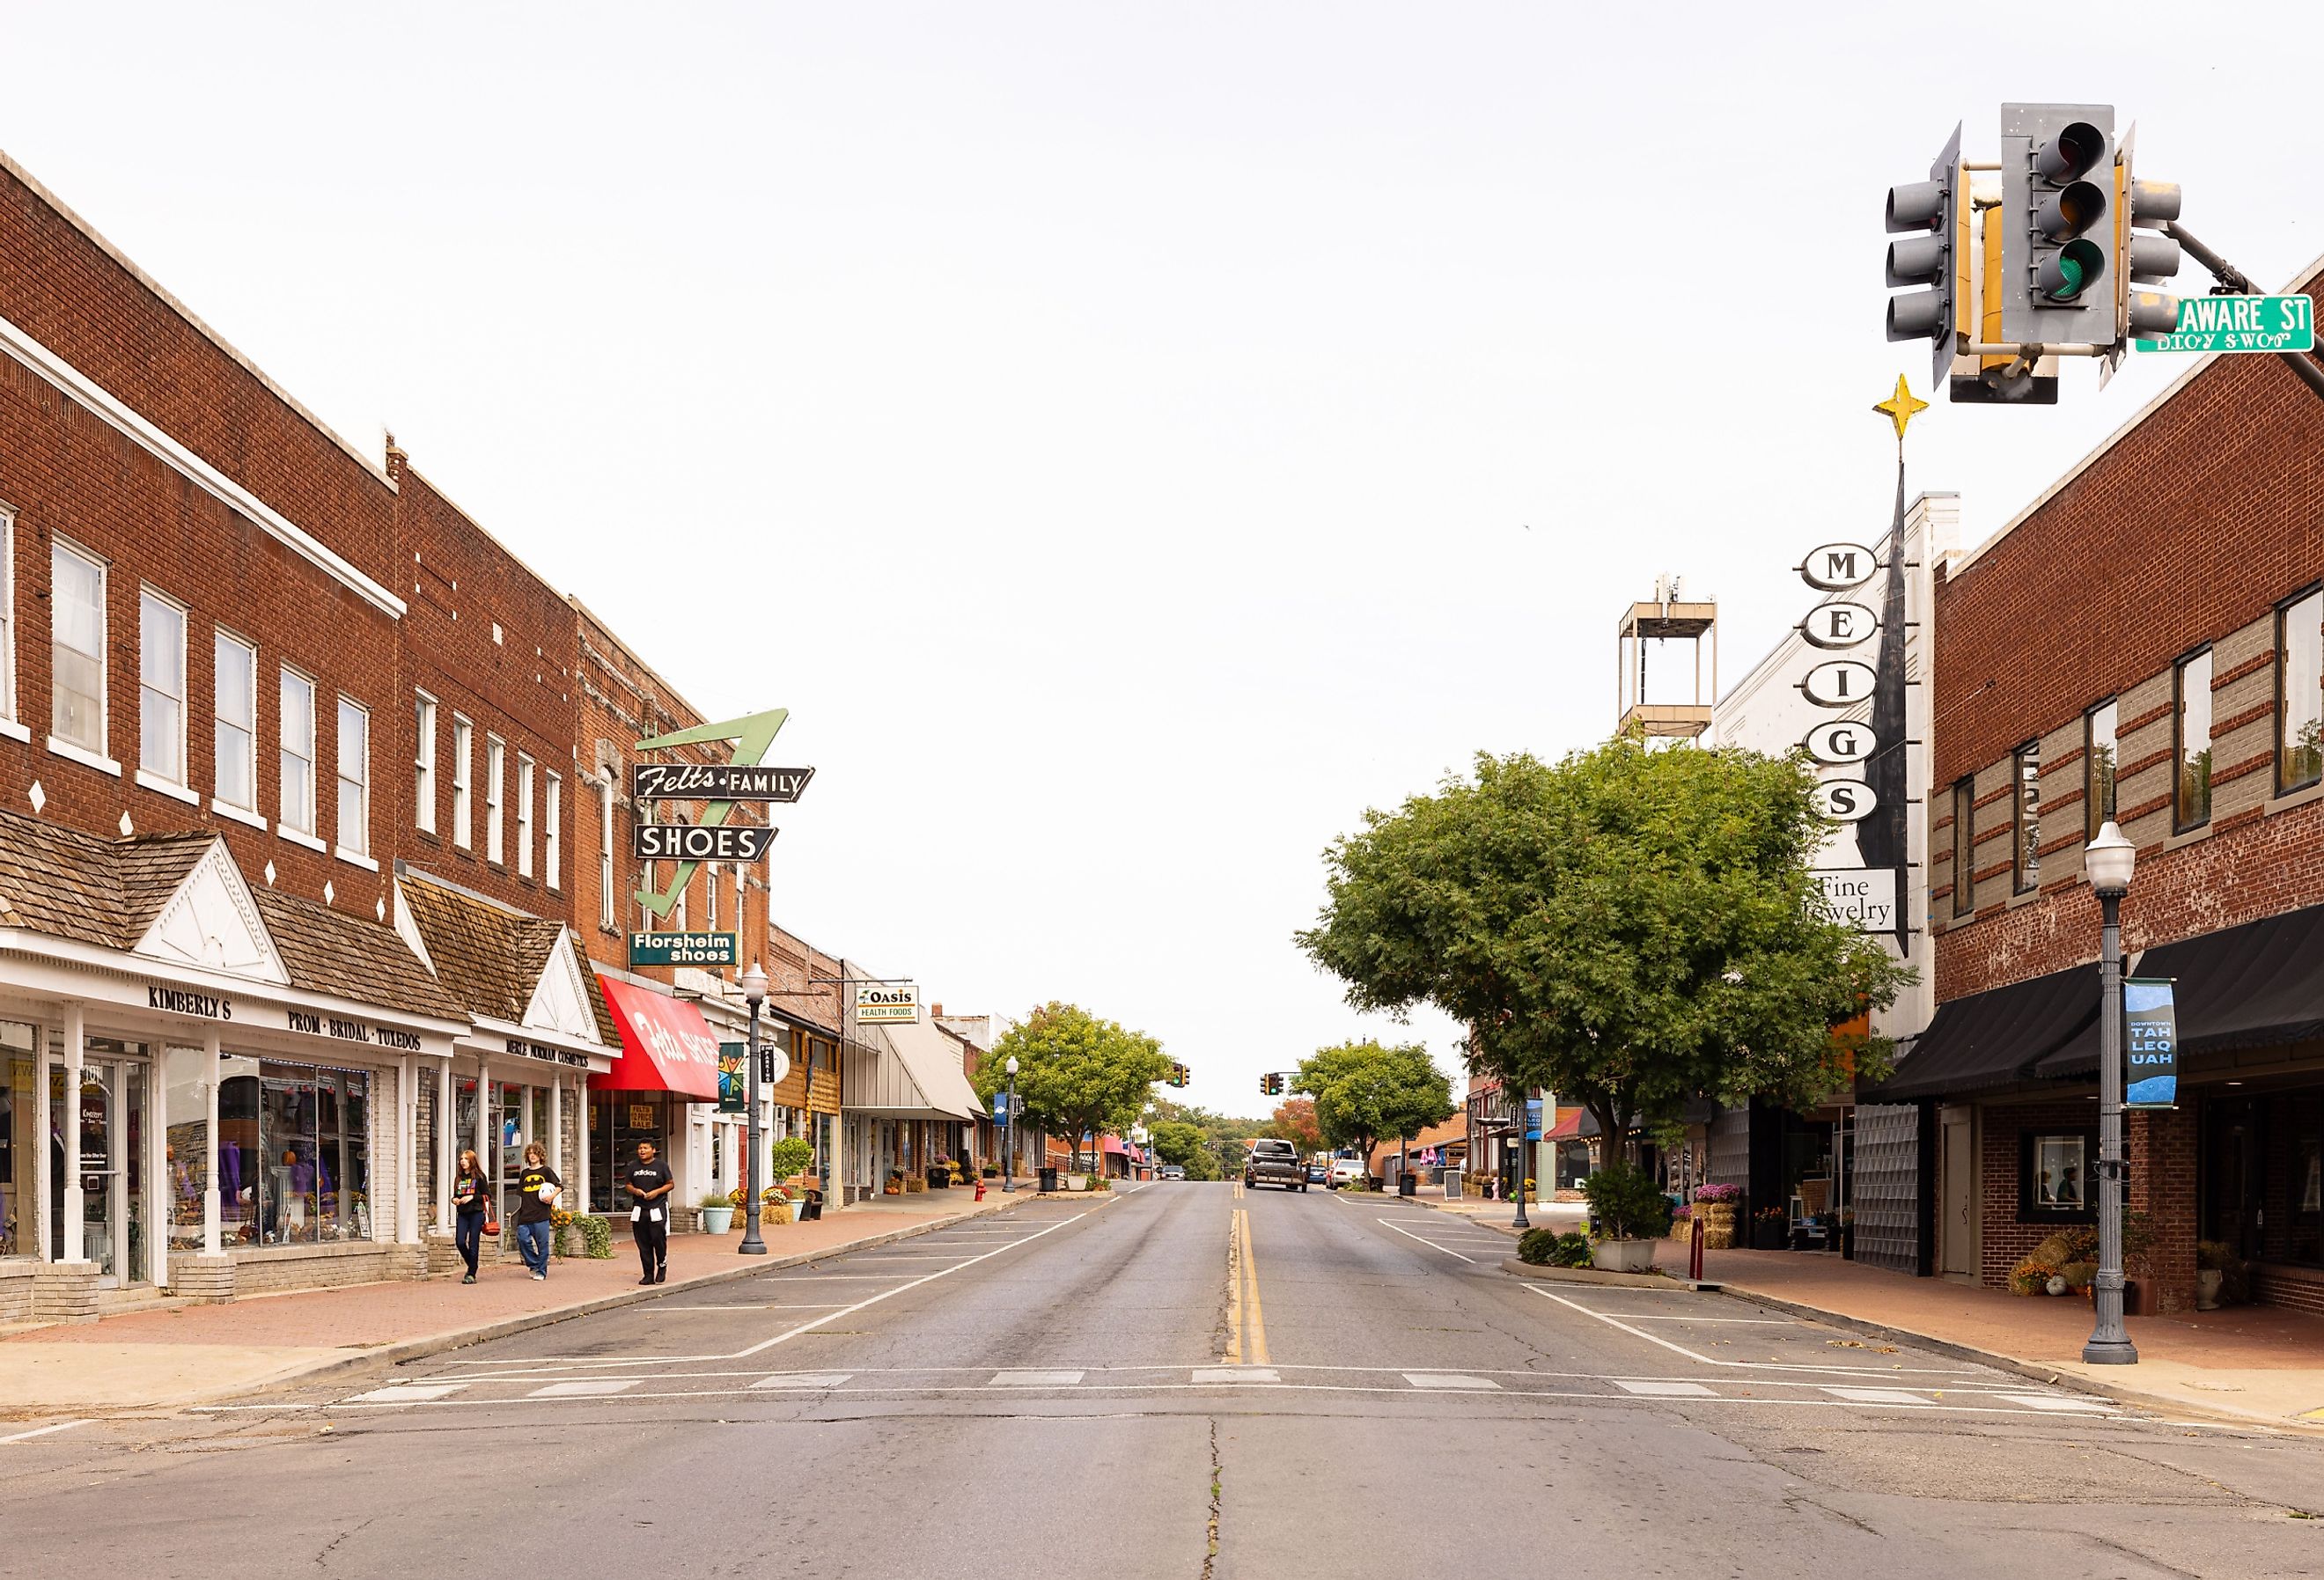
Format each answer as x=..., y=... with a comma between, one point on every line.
x=161, y=1191
x=445, y=1158
x=407, y=1149
x=43, y=1187
x=581, y=1142
x=76, y=1200
x=555, y=1140
x=212, y=1061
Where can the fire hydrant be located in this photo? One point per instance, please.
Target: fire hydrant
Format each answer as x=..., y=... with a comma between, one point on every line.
x=980, y=1187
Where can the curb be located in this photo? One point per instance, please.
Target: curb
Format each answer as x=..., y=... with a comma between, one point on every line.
x=1590, y=1275
x=2032, y=1370
x=436, y=1343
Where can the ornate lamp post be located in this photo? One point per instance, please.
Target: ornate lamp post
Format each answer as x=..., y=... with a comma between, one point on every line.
x=2108, y=860
x=755, y=994
x=1525, y=1162
x=1008, y=1130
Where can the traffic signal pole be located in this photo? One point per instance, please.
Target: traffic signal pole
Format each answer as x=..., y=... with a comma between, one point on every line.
x=2238, y=284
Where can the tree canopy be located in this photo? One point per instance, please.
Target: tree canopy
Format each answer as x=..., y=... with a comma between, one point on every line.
x=1628, y=929
x=1175, y=1141
x=1365, y=1093
x=1076, y=1073
x=1293, y=1120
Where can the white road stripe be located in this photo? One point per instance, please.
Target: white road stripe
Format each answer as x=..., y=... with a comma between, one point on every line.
x=586, y=1388
x=1664, y=1389
x=1733, y=1365
x=1432, y=1245
x=1453, y=1380
x=406, y=1393
x=1208, y=1376
x=44, y=1431
x=1035, y=1379
x=1880, y=1395
x=2057, y=1402
x=803, y=1380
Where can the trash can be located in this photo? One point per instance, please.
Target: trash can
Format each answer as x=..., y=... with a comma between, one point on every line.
x=1048, y=1179
x=1407, y=1184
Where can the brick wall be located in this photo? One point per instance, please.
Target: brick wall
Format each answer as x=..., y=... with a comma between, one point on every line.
x=2007, y=1239
x=2163, y=1185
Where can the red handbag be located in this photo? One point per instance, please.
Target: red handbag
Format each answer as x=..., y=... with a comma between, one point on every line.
x=492, y=1225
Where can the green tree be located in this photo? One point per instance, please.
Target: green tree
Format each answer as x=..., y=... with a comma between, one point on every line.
x=1293, y=1120
x=1629, y=928
x=1076, y=1073
x=1366, y=1092
x=1175, y=1141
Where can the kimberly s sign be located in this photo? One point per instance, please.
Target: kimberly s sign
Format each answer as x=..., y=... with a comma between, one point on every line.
x=887, y=1003
x=2150, y=1042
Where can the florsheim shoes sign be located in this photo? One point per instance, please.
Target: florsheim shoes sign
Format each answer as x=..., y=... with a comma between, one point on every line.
x=685, y=949
x=720, y=785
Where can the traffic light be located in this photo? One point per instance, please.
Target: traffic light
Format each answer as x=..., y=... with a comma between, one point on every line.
x=2146, y=259
x=1933, y=217
x=1271, y=1086
x=2059, y=232
x=1177, y=1074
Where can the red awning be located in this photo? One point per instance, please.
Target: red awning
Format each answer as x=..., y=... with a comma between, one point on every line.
x=1566, y=1129
x=666, y=1045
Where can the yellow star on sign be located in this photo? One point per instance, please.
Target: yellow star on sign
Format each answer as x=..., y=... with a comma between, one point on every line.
x=1901, y=407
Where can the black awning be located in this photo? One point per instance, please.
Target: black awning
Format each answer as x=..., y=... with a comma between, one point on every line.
x=2248, y=987
x=1988, y=1040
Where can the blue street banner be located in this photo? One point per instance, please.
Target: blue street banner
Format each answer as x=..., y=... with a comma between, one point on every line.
x=2151, y=1042
x=733, y=1098
x=1533, y=1119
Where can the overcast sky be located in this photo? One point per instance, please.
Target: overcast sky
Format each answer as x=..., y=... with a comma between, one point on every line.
x=1131, y=440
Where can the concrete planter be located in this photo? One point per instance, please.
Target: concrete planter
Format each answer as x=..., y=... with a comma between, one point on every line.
x=1622, y=1256
x=717, y=1220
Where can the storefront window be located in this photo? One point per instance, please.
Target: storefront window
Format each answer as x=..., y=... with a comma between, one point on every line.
x=2054, y=1182
x=2303, y=1115
x=239, y=1207
x=618, y=1122
x=185, y=1143
x=314, y=1146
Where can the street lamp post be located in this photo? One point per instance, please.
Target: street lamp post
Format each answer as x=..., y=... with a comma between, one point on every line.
x=2108, y=860
x=1524, y=1164
x=755, y=994
x=1008, y=1130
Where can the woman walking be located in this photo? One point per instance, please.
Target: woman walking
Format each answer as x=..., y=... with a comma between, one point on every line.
x=470, y=1198
x=537, y=1189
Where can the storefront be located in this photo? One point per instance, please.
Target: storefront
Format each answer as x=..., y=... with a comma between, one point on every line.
x=667, y=1064
x=195, y=1096
x=907, y=1099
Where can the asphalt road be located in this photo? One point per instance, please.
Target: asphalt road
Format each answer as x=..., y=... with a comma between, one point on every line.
x=1182, y=1381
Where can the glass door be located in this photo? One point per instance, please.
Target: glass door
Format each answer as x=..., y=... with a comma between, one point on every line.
x=101, y=1138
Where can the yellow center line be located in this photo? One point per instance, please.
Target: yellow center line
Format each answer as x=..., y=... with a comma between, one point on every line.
x=1233, y=1357
x=1255, y=1322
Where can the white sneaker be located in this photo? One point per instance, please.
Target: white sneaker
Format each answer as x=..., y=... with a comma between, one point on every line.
x=540, y=1278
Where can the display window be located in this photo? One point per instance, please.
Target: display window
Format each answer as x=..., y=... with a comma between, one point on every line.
x=2054, y=1176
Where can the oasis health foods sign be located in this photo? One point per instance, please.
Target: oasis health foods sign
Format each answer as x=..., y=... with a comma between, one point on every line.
x=887, y=1003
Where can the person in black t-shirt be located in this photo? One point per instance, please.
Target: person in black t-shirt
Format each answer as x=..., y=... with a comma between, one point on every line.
x=472, y=1202
x=650, y=1187
x=537, y=1189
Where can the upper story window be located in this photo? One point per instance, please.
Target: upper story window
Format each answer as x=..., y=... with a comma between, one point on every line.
x=523, y=816
x=234, y=736
x=1964, y=847
x=605, y=902
x=2191, y=770
x=710, y=896
x=2025, y=818
x=463, y=745
x=552, y=845
x=298, y=813
x=2299, y=693
x=2098, y=768
x=77, y=659
x=7, y=616
x=161, y=688
x=423, y=763
x=355, y=778
x=495, y=795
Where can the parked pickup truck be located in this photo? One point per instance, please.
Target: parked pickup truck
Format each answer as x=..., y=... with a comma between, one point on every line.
x=1274, y=1163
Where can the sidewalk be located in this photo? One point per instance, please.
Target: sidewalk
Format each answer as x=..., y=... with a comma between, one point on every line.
x=2250, y=1363
x=178, y=1354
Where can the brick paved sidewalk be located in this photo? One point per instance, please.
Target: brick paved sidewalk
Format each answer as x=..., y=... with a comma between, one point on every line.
x=176, y=1353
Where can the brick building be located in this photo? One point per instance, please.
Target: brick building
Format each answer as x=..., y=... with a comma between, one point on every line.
x=2145, y=643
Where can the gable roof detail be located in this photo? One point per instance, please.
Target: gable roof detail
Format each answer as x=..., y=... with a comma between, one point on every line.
x=212, y=921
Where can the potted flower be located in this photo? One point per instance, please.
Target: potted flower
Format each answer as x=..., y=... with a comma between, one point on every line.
x=717, y=1212
x=1627, y=1214
x=1716, y=1205
x=2215, y=1263
x=1767, y=1229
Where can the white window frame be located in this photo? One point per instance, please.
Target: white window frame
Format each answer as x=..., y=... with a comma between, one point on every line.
x=464, y=783
x=552, y=845
x=347, y=849
x=12, y=723
x=97, y=756
x=495, y=796
x=288, y=827
x=423, y=762
x=150, y=598
x=608, y=909
x=523, y=816
x=240, y=811
x=710, y=896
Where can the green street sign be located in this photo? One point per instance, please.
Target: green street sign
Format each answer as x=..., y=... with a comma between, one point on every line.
x=684, y=949
x=2240, y=323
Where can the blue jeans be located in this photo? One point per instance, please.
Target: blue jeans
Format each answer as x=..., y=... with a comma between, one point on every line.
x=532, y=1244
x=469, y=1237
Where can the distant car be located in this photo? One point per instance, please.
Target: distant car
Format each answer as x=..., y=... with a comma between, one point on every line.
x=1274, y=1163
x=1345, y=1171
x=1172, y=1171
x=1319, y=1174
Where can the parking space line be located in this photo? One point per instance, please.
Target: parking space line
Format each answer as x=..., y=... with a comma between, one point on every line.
x=44, y=1431
x=1432, y=1245
x=1704, y=1360
x=1664, y=1389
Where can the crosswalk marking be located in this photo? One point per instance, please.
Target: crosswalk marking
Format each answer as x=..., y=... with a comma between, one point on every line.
x=2054, y=1402
x=804, y=1379
x=1034, y=1379
x=1451, y=1380
x=1666, y=1389
x=588, y=1387
x=407, y=1393
x=1879, y=1395
x=1206, y=1375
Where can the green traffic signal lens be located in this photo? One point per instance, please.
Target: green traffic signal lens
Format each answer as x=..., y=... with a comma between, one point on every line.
x=2075, y=267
